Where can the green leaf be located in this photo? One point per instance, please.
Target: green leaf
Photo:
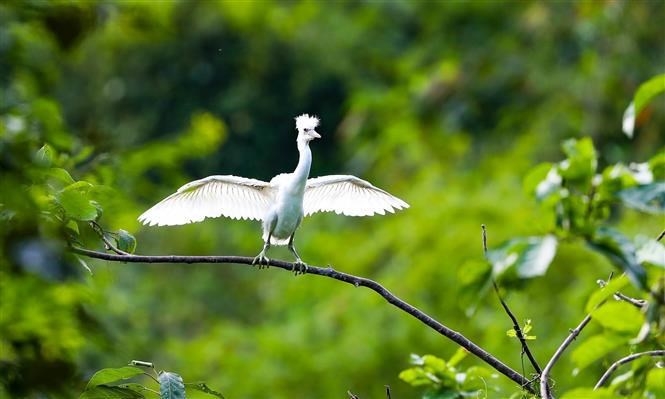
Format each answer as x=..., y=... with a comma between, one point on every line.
x=648, y=90
x=475, y=277
x=525, y=330
x=104, y=392
x=650, y=251
x=434, y=363
x=622, y=378
x=542, y=181
x=657, y=166
x=619, y=316
x=84, y=265
x=73, y=228
x=478, y=378
x=595, y=348
x=58, y=178
x=171, y=386
x=416, y=376
x=643, y=95
x=527, y=326
x=460, y=354
x=606, y=292
x=45, y=156
x=655, y=383
x=126, y=242
x=621, y=252
x=589, y=393
x=200, y=386
x=74, y=200
x=581, y=162
x=523, y=257
x=649, y=198
x=111, y=375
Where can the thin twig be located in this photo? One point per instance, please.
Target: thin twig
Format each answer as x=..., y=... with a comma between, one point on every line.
x=544, y=376
x=638, y=303
x=482, y=226
x=388, y=395
x=516, y=326
x=340, y=276
x=661, y=235
x=518, y=331
x=100, y=232
x=625, y=360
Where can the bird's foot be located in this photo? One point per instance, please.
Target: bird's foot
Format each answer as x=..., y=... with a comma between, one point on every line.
x=299, y=267
x=261, y=261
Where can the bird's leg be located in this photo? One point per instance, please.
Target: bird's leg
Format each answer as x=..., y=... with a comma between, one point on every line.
x=261, y=257
x=299, y=267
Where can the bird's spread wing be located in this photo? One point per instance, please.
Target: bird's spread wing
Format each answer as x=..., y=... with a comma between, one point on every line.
x=348, y=195
x=230, y=196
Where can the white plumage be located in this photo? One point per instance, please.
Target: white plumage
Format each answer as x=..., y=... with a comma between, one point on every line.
x=280, y=204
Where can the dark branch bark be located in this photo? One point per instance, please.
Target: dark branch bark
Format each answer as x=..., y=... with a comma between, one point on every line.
x=518, y=331
x=340, y=276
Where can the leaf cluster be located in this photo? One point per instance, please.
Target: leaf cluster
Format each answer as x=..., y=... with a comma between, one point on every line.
x=126, y=383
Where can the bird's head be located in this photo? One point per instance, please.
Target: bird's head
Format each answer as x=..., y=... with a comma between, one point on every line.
x=306, y=125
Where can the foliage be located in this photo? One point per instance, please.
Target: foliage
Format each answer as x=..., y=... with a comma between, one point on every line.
x=117, y=383
x=443, y=379
x=107, y=107
x=580, y=201
x=644, y=94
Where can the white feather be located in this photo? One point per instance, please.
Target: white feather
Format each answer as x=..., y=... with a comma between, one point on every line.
x=306, y=122
x=348, y=195
x=215, y=196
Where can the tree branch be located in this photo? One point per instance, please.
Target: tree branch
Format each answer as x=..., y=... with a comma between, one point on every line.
x=340, y=276
x=518, y=331
x=544, y=377
x=625, y=360
x=516, y=325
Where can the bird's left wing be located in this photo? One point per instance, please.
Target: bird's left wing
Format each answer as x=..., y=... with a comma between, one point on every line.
x=348, y=195
x=211, y=197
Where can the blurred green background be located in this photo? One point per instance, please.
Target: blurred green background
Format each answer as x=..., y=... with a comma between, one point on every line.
x=445, y=104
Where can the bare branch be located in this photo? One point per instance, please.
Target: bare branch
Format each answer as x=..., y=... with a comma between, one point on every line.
x=516, y=325
x=518, y=331
x=625, y=360
x=544, y=376
x=638, y=303
x=340, y=276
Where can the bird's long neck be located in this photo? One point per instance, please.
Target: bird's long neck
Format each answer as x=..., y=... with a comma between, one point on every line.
x=301, y=173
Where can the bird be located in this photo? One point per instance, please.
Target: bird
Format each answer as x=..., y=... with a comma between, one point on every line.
x=279, y=204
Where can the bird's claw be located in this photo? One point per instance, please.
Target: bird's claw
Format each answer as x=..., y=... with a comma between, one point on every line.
x=299, y=267
x=261, y=261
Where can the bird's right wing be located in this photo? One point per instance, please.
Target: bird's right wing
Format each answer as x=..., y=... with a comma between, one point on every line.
x=348, y=195
x=211, y=197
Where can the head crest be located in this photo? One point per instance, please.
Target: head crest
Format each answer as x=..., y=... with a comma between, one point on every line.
x=305, y=121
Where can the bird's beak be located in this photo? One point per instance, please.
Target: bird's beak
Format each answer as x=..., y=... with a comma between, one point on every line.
x=314, y=134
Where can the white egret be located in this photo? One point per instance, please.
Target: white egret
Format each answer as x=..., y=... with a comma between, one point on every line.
x=279, y=204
